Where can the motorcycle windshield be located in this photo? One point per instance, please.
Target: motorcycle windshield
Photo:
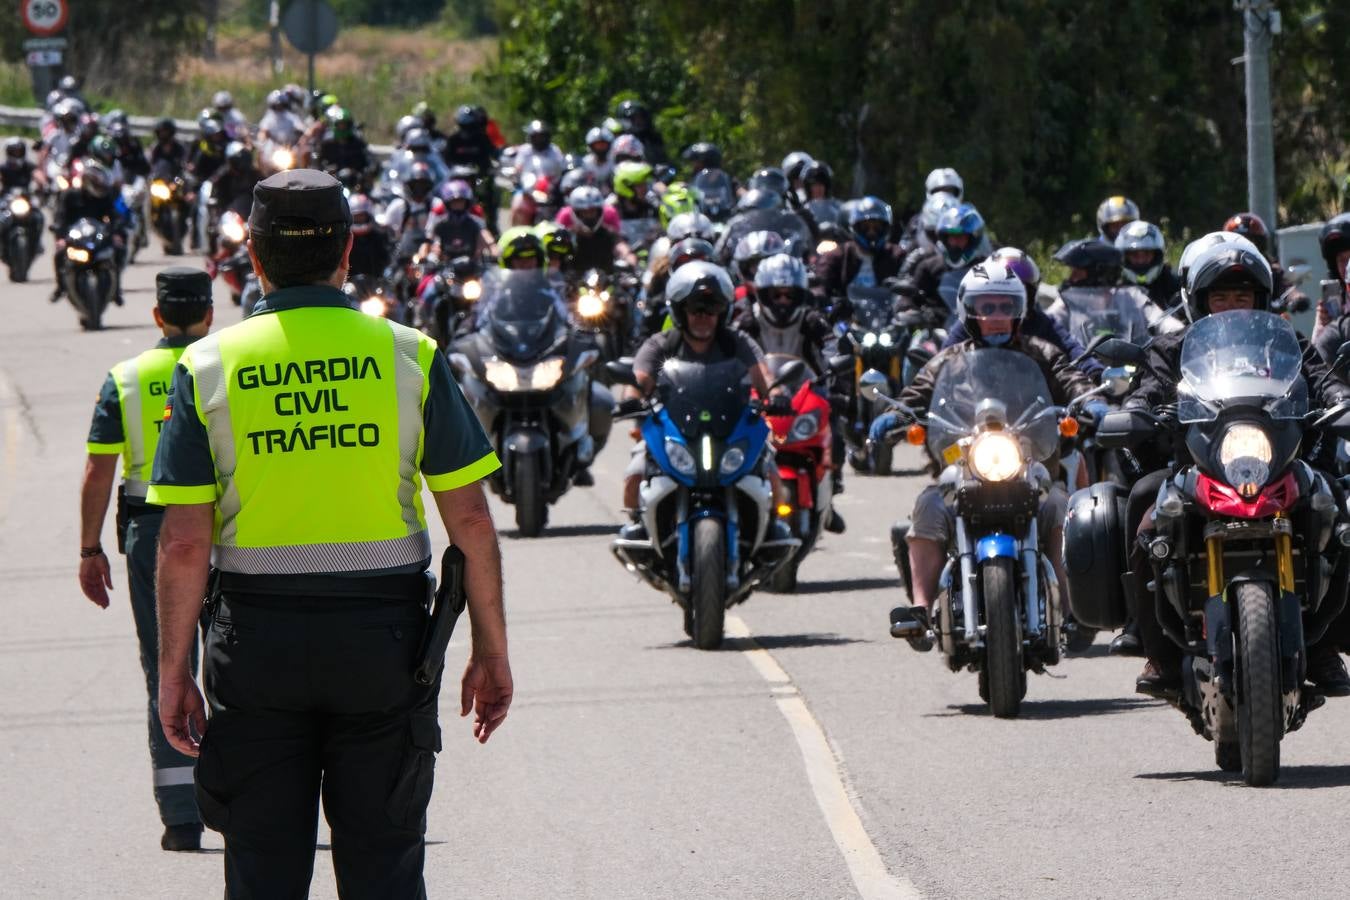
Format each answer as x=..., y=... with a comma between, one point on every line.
x=827, y=210
x=703, y=398
x=789, y=226
x=948, y=285
x=777, y=362
x=1094, y=311
x=638, y=233
x=522, y=313
x=715, y=190
x=1241, y=354
x=968, y=381
x=873, y=308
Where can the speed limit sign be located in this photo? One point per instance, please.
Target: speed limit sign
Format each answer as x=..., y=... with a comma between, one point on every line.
x=44, y=17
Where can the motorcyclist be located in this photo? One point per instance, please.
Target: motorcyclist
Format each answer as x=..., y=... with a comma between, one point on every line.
x=127, y=150
x=1114, y=214
x=57, y=140
x=929, y=279
x=88, y=130
x=16, y=172
x=232, y=185
x=941, y=188
x=792, y=167
x=945, y=181
x=93, y=199
x=370, y=244
x=595, y=227
x=409, y=212
x=627, y=148
x=560, y=245
x=427, y=116
x=817, y=180
x=750, y=251
x=208, y=154
x=1093, y=263
x=699, y=299
x=231, y=119
x=867, y=261
x=1224, y=277
x=1144, y=262
x=457, y=231
x=632, y=196
x=596, y=161
x=539, y=155
x=1287, y=298
x=637, y=121
x=1333, y=318
x=469, y=144
x=992, y=304
x=685, y=250
x=279, y=125
x=342, y=147
x=168, y=156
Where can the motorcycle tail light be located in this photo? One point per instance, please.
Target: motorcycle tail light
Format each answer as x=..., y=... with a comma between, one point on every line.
x=916, y=435
x=1225, y=500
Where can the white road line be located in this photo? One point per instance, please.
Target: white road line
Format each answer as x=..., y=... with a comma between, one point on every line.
x=869, y=873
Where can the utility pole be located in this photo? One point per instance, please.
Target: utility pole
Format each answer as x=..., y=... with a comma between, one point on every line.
x=1261, y=22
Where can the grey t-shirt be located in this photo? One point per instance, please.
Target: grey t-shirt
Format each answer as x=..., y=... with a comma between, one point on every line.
x=728, y=344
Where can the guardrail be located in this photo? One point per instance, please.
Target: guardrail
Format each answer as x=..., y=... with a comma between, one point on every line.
x=141, y=126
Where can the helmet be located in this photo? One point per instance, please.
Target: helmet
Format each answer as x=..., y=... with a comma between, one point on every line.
x=1020, y=263
x=752, y=248
x=363, y=214
x=573, y=179
x=15, y=148
x=1100, y=260
x=787, y=273
x=89, y=123
x=94, y=179
x=539, y=134
x=1227, y=265
x=946, y=181
x=278, y=100
x=629, y=177
x=166, y=128
x=793, y=164
x=588, y=207
x=1250, y=226
x=629, y=110
x=937, y=203
x=68, y=84
x=420, y=180
x=222, y=100
x=418, y=140
x=679, y=198
x=456, y=189
x=758, y=200
x=817, y=172
x=1195, y=248
x=54, y=96
x=296, y=94
x=340, y=121
x=691, y=224
x=238, y=155
x=327, y=100
x=1335, y=240
x=870, y=222
x=464, y=117
x=1114, y=213
x=769, y=179
x=423, y=111
x=599, y=136
x=703, y=155
x=405, y=126
x=116, y=117
x=700, y=285
x=1140, y=236
x=67, y=112
x=558, y=241
x=211, y=129
x=102, y=149
x=990, y=290
x=627, y=148
x=688, y=250
x=520, y=243
x=965, y=219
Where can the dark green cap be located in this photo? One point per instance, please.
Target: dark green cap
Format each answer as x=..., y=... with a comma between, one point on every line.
x=182, y=284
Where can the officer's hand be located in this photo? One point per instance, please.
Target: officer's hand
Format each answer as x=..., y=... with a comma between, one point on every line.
x=182, y=713
x=96, y=578
x=486, y=689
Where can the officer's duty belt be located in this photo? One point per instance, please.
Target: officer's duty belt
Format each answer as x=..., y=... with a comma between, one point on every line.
x=410, y=588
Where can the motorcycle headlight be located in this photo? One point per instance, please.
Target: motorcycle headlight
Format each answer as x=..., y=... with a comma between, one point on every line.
x=804, y=427
x=502, y=375
x=160, y=191
x=19, y=206
x=681, y=460
x=995, y=456
x=885, y=339
x=591, y=305
x=545, y=375
x=233, y=231
x=826, y=246
x=1245, y=455
x=282, y=158
x=77, y=254
x=471, y=290
x=732, y=460
x=373, y=306
x=869, y=339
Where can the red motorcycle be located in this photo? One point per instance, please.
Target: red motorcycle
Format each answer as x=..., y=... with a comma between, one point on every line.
x=802, y=444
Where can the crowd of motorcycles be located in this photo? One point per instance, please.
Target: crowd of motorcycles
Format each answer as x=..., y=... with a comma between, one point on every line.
x=1240, y=564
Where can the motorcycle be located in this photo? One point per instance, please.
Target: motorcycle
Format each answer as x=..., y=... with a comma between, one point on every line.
x=706, y=505
x=1243, y=527
x=21, y=231
x=168, y=211
x=373, y=297
x=879, y=344
x=446, y=305
x=278, y=157
x=133, y=199
x=231, y=260
x=602, y=308
x=90, y=270
x=527, y=378
x=998, y=612
x=802, y=443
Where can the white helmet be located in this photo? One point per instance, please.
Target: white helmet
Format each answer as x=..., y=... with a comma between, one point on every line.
x=985, y=282
x=1134, y=237
x=588, y=208
x=933, y=208
x=945, y=180
x=691, y=224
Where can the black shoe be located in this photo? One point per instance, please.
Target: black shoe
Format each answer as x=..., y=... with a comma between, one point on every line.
x=1158, y=680
x=911, y=623
x=1080, y=637
x=835, y=524
x=1127, y=643
x=117, y=299
x=57, y=295
x=182, y=837
x=1326, y=670
x=583, y=478
x=633, y=531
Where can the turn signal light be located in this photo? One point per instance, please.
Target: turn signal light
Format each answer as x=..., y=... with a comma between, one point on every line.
x=784, y=510
x=916, y=435
x=1068, y=427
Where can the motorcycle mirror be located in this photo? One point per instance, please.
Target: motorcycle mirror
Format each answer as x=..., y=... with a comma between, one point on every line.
x=621, y=370
x=1125, y=428
x=1115, y=352
x=1339, y=425
x=871, y=384
x=918, y=355
x=1095, y=343
x=841, y=363
x=790, y=372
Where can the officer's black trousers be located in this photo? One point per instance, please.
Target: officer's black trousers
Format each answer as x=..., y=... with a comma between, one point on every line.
x=310, y=696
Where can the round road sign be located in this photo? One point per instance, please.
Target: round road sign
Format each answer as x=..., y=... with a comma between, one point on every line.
x=44, y=17
x=310, y=25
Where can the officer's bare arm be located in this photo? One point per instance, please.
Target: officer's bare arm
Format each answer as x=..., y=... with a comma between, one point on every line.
x=468, y=521
x=100, y=471
x=180, y=584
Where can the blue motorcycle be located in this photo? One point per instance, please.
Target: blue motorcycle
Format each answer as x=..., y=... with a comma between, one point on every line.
x=707, y=504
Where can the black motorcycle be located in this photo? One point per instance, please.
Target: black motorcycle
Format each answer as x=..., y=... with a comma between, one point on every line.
x=601, y=305
x=527, y=377
x=446, y=308
x=90, y=270
x=878, y=342
x=20, y=231
x=170, y=215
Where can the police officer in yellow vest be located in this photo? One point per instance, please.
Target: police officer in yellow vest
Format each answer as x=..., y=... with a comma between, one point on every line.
x=293, y=460
x=126, y=423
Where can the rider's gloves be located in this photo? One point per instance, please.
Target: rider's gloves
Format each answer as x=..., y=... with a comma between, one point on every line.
x=882, y=426
x=1097, y=409
x=778, y=405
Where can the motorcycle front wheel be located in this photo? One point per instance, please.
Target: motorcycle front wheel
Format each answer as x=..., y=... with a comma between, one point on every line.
x=531, y=509
x=1260, y=707
x=708, y=561
x=1003, y=670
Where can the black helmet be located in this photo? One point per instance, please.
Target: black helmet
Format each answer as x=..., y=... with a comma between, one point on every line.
x=689, y=250
x=629, y=110
x=94, y=179
x=166, y=128
x=418, y=140
x=239, y=156
x=769, y=179
x=817, y=172
x=703, y=155
x=15, y=148
x=539, y=134
x=1252, y=227
x=1335, y=240
x=1101, y=261
x=1227, y=266
x=420, y=180
x=700, y=285
x=68, y=84
x=464, y=117
x=794, y=162
x=758, y=200
x=780, y=289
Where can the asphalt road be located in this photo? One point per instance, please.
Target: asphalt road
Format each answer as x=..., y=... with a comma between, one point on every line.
x=633, y=765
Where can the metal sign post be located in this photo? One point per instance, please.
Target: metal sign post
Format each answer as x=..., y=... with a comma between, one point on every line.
x=1261, y=21
x=44, y=53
